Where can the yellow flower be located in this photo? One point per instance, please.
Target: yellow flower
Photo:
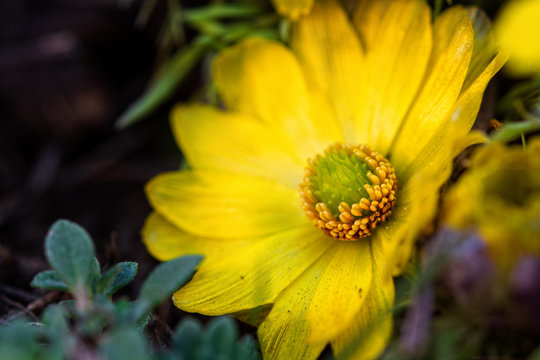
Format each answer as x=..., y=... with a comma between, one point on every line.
x=293, y=9
x=518, y=32
x=389, y=79
x=500, y=198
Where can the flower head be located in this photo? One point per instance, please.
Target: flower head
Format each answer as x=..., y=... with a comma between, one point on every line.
x=293, y=9
x=517, y=31
x=310, y=135
x=500, y=199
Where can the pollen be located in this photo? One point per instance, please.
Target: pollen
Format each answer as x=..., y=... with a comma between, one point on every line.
x=348, y=190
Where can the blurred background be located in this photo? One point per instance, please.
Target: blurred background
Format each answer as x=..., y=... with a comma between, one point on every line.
x=68, y=69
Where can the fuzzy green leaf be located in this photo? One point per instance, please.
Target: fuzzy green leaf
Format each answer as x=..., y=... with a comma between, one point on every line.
x=116, y=277
x=187, y=336
x=70, y=252
x=125, y=344
x=246, y=349
x=18, y=341
x=49, y=280
x=54, y=317
x=167, y=278
x=222, y=334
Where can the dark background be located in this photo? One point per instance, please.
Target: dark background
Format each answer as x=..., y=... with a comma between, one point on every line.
x=68, y=69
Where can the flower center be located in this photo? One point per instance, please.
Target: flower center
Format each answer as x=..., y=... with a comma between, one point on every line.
x=348, y=191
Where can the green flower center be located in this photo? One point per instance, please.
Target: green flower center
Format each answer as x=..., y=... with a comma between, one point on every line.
x=348, y=190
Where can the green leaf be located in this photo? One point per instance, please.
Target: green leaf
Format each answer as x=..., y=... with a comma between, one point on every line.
x=514, y=131
x=221, y=11
x=70, y=252
x=222, y=334
x=144, y=321
x=246, y=349
x=125, y=344
x=18, y=341
x=168, y=277
x=116, y=277
x=167, y=80
x=187, y=336
x=69, y=307
x=95, y=275
x=54, y=317
x=49, y=280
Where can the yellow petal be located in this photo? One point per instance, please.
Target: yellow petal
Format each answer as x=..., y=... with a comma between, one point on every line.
x=319, y=304
x=285, y=331
x=397, y=37
x=329, y=51
x=518, y=32
x=442, y=145
x=341, y=290
x=415, y=208
x=214, y=204
x=450, y=138
x=485, y=47
x=417, y=203
x=370, y=332
x=166, y=241
x=263, y=79
x=251, y=272
x=231, y=142
x=453, y=45
x=293, y=9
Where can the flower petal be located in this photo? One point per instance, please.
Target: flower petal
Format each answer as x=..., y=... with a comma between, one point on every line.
x=341, y=290
x=231, y=142
x=442, y=145
x=320, y=304
x=214, y=204
x=449, y=139
x=453, y=45
x=293, y=9
x=330, y=54
x=165, y=241
x=263, y=79
x=415, y=208
x=251, y=272
x=370, y=332
x=285, y=331
x=397, y=37
x=517, y=31
x=485, y=47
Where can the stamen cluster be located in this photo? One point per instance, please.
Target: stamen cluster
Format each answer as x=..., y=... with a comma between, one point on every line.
x=373, y=202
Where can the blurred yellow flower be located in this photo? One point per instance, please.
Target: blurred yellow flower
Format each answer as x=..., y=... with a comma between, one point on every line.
x=518, y=32
x=389, y=82
x=500, y=198
x=293, y=9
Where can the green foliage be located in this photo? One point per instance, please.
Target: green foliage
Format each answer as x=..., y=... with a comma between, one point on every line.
x=217, y=25
x=125, y=343
x=217, y=341
x=513, y=131
x=519, y=110
x=167, y=278
x=94, y=326
x=116, y=277
x=173, y=71
x=49, y=280
x=70, y=252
